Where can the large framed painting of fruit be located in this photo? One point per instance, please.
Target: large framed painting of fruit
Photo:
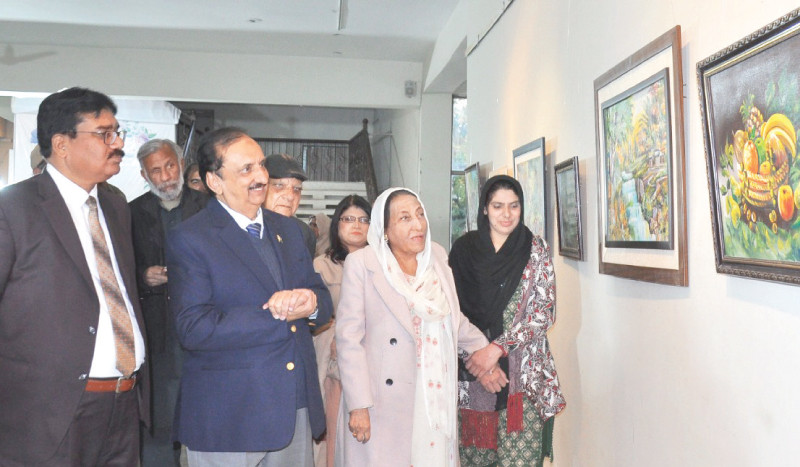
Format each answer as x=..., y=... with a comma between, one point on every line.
x=640, y=165
x=750, y=103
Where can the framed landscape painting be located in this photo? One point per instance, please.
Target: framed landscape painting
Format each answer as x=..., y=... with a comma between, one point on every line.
x=568, y=208
x=529, y=172
x=750, y=104
x=641, y=176
x=472, y=180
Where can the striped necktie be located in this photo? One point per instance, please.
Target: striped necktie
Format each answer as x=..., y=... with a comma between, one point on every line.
x=120, y=318
x=254, y=229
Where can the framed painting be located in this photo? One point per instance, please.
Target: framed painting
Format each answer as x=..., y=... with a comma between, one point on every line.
x=640, y=170
x=529, y=172
x=568, y=209
x=750, y=105
x=472, y=181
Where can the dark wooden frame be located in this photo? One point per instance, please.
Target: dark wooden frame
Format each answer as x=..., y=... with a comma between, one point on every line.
x=678, y=275
x=783, y=29
x=569, y=165
x=520, y=155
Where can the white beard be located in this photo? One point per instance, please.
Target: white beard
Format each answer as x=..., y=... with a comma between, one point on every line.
x=169, y=191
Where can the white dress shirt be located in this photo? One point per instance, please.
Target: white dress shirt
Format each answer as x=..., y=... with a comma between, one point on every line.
x=242, y=220
x=104, y=361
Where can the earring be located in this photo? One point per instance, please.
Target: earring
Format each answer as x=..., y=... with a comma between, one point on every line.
x=385, y=238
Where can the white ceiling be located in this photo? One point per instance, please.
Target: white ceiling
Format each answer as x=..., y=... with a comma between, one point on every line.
x=403, y=30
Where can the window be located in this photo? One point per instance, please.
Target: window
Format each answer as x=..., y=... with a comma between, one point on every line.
x=459, y=161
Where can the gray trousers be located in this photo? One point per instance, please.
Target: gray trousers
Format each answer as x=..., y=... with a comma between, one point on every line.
x=297, y=453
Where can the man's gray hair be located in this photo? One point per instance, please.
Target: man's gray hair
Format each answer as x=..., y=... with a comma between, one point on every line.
x=155, y=145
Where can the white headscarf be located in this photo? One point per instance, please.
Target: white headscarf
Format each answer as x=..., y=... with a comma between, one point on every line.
x=430, y=310
x=376, y=238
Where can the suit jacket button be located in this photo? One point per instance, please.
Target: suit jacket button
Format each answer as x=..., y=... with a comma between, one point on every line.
x=393, y=341
x=82, y=377
x=92, y=330
x=389, y=382
x=290, y=366
x=293, y=328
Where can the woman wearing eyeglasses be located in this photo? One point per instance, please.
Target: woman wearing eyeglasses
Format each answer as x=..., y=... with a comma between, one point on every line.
x=397, y=333
x=347, y=233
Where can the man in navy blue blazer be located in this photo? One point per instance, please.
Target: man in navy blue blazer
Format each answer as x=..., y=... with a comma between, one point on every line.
x=244, y=294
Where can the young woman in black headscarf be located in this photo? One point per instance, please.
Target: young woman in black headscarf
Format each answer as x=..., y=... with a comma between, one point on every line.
x=506, y=287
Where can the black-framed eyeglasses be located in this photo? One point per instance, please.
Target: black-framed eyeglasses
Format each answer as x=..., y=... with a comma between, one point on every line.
x=109, y=136
x=351, y=219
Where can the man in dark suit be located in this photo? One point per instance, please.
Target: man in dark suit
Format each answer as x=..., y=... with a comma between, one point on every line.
x=72, y=381
x=243, y=294
x=158, y=211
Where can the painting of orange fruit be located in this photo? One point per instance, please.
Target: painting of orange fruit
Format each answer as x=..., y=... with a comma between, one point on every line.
x=750, y=97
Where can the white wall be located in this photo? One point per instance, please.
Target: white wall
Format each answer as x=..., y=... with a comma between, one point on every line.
x=653, y=375
x=436, y=127
x=396, y=142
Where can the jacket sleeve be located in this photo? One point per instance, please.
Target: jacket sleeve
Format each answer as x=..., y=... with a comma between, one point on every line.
x=351, y=328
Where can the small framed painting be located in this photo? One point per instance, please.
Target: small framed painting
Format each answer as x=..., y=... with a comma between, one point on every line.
x=529, y=172
x=568, y=209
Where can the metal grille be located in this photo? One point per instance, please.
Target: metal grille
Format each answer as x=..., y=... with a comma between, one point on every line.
x=322, y=160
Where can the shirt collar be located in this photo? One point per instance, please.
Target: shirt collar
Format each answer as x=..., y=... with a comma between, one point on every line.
x=242, y=220
x=73, y=194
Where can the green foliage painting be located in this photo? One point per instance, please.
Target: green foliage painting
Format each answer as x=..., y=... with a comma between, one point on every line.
x=637, y=166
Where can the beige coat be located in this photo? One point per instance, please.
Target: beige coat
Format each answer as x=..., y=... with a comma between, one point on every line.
x=377, y=358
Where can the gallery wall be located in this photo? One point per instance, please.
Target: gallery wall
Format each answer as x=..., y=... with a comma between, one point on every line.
x=653, y=375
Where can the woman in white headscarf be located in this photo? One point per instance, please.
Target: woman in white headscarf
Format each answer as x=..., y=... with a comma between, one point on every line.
x=398, y=331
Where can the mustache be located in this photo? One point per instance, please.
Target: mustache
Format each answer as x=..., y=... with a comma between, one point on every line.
x=117, y=152
x=256, y=186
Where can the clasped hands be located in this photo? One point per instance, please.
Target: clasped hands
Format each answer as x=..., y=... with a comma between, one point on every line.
x=482, y=364
x=289, y=305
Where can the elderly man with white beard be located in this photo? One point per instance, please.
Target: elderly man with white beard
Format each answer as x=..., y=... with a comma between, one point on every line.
x=152, y=215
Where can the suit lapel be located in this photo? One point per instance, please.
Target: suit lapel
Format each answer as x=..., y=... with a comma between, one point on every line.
x=274, y=238
x=236, y=239
x=394, y=301
x=55, y=209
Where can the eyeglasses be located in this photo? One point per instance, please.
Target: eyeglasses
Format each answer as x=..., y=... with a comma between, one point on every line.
x=109, y=136
x=279, y=186
x=351, y=219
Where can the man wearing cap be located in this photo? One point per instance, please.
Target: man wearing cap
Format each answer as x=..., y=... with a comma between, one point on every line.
x=284, y=190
